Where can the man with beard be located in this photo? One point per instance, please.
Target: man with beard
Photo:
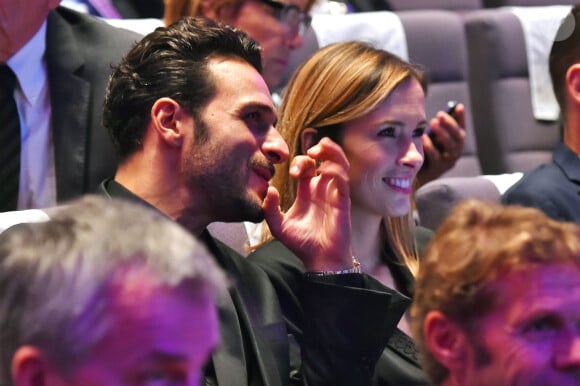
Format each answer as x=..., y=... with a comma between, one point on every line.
x=497, y=299
x=193, y=123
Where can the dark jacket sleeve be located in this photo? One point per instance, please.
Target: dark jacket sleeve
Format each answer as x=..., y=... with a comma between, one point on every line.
x=342, y=323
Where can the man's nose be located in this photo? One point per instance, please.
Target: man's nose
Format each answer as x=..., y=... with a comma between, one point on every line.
x=569, y=357
x=275, y=148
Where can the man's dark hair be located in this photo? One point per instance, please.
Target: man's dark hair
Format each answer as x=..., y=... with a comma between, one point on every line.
x=169, y=62
x=564, y=53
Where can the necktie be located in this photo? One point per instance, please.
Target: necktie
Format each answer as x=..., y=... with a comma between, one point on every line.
x=9, y=141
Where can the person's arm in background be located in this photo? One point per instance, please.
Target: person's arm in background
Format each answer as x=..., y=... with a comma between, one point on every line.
x=449, y=132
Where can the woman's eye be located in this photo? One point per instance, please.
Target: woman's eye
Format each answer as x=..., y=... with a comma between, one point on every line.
x=418, y=132
x=387, y=132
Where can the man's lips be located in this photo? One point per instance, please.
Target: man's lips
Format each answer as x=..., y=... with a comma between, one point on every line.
x=281, y=62
x=264, y=171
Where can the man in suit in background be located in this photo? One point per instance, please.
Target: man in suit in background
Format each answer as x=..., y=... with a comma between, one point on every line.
x=193, y=122
x=555, y=187
x=496, y=299
x=106, y=293
x=119, y=9
x=61, y=60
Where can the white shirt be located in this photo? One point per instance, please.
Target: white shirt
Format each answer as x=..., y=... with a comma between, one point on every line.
x=37, y=187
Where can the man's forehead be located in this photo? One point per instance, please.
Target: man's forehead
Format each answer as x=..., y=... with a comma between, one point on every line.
x=239, y=80
x=539, y=281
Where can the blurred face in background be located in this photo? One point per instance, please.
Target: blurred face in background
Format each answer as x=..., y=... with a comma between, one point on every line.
x=158, y=336
x=275, y=26
x=532, y=336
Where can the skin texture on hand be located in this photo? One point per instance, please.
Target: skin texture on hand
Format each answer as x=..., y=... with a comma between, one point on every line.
x=317, y=227
x=450, y=135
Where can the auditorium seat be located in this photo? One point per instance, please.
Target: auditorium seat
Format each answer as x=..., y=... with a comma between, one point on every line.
x=509, y=136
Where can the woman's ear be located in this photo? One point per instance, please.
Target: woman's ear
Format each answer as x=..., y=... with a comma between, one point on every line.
x=308, y=138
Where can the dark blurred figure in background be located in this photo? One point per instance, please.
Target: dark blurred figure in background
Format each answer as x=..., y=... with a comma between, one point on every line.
x=276, y=25
x=54, y=65
x=555, y=187
x=119, y=9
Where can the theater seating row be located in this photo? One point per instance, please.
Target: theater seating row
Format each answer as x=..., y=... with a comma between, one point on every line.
x=452, y=5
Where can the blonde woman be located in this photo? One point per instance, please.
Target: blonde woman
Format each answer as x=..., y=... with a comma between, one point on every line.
x=372, y=104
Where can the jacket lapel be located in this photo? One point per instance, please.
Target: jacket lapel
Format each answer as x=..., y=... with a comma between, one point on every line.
x=265, y=358
x=71, y=115
x=255, y=313
x=404, y=346
x=229, y=359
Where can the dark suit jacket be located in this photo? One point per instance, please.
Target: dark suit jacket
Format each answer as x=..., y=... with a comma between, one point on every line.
x=553, y=187
x=79, y=52
x=131, y=9
x=398, y=364
x=347, y=327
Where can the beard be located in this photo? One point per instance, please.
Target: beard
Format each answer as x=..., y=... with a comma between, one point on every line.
x=218, y=177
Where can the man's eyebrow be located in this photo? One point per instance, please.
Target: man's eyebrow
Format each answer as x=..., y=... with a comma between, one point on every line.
x=263, y=107
x=260, y=106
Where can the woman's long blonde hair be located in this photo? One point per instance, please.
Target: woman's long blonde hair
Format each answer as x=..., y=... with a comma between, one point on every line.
x=339, y=83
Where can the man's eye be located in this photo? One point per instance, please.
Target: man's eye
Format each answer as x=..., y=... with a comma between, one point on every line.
x=541, y=327
x=254, y=115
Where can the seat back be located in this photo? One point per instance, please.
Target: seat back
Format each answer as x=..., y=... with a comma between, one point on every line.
x=450, y=5
x=8, y=219
x=437, y=198
x=436, y=40
x=525, y=3
x=509, y=137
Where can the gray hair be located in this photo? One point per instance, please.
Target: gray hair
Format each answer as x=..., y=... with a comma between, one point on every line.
x=55, y=275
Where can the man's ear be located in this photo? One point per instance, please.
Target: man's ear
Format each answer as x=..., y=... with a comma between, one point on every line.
x=30, y=367
x=573, y=83
x=308, y=138
x=167, y=116
x=446, y=341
